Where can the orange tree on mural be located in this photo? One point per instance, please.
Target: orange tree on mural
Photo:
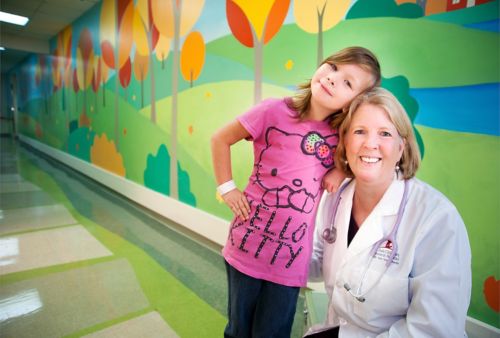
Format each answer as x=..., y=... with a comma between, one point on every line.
x=174, y=19
x=61, y=71
x=61, y=59
x=254, y=23
x=318, y=16
x=192, y=57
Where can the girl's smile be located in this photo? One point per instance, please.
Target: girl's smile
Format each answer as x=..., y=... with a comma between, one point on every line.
x=333, y=87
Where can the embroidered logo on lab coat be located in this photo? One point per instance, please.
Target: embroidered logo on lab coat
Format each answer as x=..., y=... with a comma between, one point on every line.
x=384, y=251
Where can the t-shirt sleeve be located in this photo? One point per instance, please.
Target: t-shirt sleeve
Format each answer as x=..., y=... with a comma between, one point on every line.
x=255, y=119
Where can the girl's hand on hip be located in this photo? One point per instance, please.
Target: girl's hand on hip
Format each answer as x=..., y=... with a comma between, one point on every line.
x=238, y=203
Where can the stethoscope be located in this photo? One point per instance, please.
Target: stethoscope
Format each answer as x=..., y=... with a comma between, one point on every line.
x=330, y=236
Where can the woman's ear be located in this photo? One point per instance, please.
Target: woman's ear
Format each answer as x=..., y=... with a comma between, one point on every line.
x=402, y=145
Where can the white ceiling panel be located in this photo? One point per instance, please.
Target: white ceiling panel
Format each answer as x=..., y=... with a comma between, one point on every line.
x=47, y=19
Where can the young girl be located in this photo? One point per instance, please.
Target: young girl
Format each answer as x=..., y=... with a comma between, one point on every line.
x=270, y=239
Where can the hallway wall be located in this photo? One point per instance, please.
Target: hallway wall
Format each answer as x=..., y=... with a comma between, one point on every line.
x=131, y=101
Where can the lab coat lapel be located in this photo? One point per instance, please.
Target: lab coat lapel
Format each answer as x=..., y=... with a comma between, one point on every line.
x=381, y=220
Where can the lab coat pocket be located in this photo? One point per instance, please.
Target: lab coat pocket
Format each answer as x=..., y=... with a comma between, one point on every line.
x=386, y=300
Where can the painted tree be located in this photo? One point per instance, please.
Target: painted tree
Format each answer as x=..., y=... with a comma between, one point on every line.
x=84, y=64
x=56, y=59
x=42, y=79
x=318, y=16
x=96, y=78
x=141, y=67
x=76, y=89
x=174, y=19
x=192, y=57
x=64, y=40
x=146, y=39
x=125, y=75
x=162, y=49
x=255, y=23
x=108, y=37
x=116, y=44
x=101, y=78
x=126, y=40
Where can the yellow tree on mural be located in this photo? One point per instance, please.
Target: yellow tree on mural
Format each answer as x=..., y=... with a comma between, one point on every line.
x=174, y=19
x=254, y=23
x=192, y=57
x=162, y=49
x=318, y=16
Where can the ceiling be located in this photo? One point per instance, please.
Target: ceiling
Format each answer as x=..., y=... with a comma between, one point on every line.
x=46, y=19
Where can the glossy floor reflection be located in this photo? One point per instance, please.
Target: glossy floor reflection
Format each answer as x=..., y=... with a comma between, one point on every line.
x=79, y=260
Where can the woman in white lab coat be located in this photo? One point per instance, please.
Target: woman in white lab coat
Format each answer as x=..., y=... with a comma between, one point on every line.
x=423, y=288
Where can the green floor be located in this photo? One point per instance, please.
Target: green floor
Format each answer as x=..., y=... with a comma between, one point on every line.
x=152, y=266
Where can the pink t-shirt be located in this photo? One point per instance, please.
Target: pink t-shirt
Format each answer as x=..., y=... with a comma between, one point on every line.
x=284, y=189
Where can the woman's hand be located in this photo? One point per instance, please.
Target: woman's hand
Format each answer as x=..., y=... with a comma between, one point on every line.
x=238, y=203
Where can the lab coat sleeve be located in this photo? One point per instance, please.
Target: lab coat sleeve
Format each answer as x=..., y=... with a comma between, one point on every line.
x=440, y=281
x=316, y=263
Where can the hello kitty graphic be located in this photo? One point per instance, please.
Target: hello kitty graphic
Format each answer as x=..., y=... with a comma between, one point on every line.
x=274, y=169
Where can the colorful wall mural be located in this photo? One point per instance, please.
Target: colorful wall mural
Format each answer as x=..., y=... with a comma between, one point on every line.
x=137, y=87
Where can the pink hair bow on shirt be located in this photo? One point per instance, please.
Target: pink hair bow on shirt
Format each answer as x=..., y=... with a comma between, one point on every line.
x=314, y=144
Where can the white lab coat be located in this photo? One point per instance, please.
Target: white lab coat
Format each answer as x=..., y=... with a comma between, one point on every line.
x=425, y=292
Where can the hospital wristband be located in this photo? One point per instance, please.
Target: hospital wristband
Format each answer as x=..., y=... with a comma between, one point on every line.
x=226, y=187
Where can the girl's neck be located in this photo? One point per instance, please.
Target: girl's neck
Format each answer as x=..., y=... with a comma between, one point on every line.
x=316, y=114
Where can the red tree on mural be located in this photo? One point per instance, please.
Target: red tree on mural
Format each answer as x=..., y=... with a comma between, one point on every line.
x=146, y=39
x=84, y=64
x=96, y=78
x=192, y=57
x=125, y=36
x=116, y=43
x=254, y=23
x=318, y=16
x=76, y=88
x=173, y=19
x=42, y=79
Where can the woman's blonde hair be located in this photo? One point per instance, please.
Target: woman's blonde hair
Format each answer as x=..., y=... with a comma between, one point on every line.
x=361, y=56
x=382, y=98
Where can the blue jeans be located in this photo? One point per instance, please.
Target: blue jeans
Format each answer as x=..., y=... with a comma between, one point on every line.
x=258, y=308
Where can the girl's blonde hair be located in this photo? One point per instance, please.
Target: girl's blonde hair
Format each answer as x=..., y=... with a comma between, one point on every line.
x=384, y=99
x=361, y=56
